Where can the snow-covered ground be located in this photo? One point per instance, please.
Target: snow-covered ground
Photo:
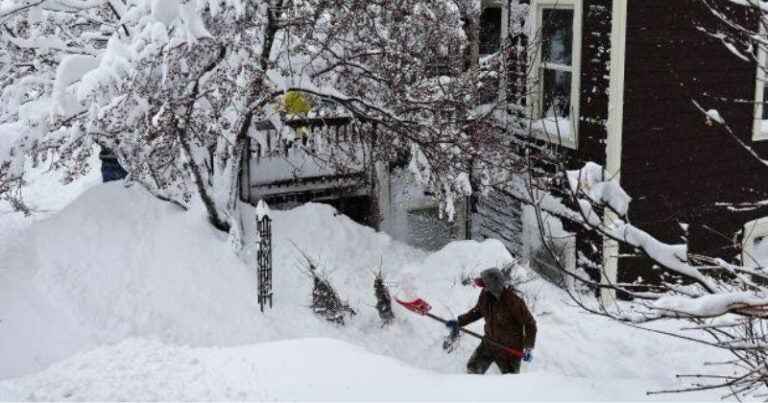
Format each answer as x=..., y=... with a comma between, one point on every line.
x=300, y=369
x=119, y=296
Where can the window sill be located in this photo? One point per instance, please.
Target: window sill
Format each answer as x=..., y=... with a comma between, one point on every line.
x=559, y=132
x=760, y=132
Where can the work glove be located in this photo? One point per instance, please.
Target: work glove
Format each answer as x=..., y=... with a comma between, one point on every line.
x=528, y=355
x=454, y=326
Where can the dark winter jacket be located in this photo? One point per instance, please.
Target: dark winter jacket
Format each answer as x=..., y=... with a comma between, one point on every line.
x=507, y=320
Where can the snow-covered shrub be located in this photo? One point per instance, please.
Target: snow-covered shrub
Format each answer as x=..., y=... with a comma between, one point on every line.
x=383, y=299
x=326, y=301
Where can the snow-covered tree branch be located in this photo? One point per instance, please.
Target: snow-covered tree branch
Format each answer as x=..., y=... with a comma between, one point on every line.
x=174, y=88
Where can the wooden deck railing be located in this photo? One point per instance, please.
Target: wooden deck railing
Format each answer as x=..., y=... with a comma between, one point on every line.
x=313, y=155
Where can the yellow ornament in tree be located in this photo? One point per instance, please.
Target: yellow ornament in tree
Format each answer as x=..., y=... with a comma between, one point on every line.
x=295, y=104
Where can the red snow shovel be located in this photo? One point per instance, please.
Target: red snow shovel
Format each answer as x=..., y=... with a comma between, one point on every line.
x=422, y=308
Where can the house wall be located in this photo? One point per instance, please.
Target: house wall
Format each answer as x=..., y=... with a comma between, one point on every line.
x=595, y=62
x=593, y=119
x=410, y=213
x=497, y=214
x=675, y=165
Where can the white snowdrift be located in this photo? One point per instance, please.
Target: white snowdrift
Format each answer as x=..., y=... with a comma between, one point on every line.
x=304, y=369
x=118, y=265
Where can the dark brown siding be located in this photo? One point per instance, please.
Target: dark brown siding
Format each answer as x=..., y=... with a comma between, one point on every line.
x=675, y=165
x=595, y=62
x=595, y=69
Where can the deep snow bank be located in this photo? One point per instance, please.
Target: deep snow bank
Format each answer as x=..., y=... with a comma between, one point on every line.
x=118, y=264
x=303, y=369
x=127, y=265
x=33, y=332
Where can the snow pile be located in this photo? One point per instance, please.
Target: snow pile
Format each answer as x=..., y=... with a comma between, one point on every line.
x=71, y=69
x=709, y=305
x=146, y=269
x=34, y=332
x=304, y=369
x=123, y=281
x=118, y=264
x=599, y=187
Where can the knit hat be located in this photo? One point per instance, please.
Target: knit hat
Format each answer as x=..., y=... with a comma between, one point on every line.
x=494, y=281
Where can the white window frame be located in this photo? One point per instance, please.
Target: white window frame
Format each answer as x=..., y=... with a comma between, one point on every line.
x=760, y=82
x=752, y=230
x=534, y=95
x=501, y=92
x=497, y=5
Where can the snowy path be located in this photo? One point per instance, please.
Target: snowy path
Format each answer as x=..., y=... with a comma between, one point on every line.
x=304, y=369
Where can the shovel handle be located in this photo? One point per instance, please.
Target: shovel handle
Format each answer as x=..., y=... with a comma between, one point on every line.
x=510, y=351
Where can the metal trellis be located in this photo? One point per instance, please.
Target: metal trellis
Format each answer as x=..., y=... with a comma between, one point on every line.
x=265, y=261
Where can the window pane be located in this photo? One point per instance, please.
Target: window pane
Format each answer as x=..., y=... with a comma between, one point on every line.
x=763, y=130
x=490, y=31
x=556, y=93
x=557, y=36
x=765, y=100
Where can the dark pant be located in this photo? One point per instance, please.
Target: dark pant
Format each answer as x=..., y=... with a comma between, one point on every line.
x=112, y=171
x=482, y=359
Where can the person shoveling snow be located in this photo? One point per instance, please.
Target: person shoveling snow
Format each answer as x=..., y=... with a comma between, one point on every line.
x=508, y=322
x=510, y=330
